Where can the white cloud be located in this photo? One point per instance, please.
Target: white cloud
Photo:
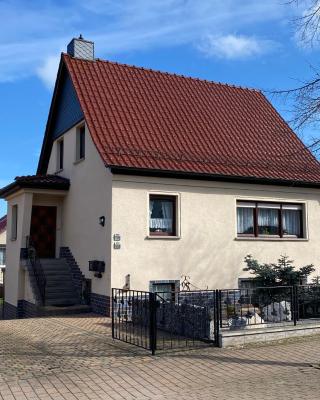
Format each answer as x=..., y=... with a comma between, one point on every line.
x=47, y=72
x=32, y=34
x=235, y=46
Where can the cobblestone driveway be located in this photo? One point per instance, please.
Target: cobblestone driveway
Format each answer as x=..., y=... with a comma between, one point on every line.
x=74, y=358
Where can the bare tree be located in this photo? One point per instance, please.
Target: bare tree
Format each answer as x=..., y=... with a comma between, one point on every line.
x=306, y=95
x=308, y=24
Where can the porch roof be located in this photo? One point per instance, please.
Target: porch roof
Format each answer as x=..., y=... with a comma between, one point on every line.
x=54, y=182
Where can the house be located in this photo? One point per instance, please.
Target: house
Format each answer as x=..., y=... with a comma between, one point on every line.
x=3, y=229
x=146, y=176
x=3, y=237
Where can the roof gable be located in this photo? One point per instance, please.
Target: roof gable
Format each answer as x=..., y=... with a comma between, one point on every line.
x=147, y=120
x=65, y=112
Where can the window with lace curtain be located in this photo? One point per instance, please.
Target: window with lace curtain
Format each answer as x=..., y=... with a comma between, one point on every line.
x=2, y=255
x=162, y=215
x=269, y=219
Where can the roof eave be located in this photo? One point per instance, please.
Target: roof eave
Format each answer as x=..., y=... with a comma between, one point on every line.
x=16, y=186
x=116, y=169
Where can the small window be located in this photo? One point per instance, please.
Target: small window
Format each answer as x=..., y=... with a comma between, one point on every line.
x=166, y=289
x=2, y=255
x=269, y=219
x=162, y=210
x=14, y=222
x=80, y=144
x=60, y=151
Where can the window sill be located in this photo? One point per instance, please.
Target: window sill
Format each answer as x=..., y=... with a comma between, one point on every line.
x=58, y=171
x=79, y=161
x=157, y=237
x=271, y=239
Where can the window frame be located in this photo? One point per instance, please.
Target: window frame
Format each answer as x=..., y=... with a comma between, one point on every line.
x=60, y=154
x=80, y=143
x=174, y=199
x=3, y=248
x=14, y=222
x=281, y=235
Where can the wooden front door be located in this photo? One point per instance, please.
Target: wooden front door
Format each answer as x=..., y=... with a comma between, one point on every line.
x=43, y=230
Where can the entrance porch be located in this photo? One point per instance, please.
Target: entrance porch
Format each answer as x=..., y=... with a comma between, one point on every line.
x=38, y=280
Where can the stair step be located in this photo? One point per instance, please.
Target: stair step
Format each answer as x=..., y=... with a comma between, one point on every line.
x=57, y=294
x=61, y=302
x=56, y=268
x=58, y=283
x=52, y=260
x=57, y=290
x=57, y=273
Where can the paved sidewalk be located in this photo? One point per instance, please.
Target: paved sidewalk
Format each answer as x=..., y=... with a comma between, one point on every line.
x=75, y=358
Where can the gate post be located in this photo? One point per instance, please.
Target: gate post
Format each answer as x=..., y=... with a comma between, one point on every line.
x=112, y=311
x=153, y=322
x=295, y=304
x=217, y=318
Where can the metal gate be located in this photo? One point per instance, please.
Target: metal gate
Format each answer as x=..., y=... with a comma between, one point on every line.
x=165, y=320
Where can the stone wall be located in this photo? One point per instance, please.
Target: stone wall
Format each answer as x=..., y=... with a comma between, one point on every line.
x=100, y=304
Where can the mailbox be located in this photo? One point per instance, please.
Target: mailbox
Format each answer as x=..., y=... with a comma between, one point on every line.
x=97, y=266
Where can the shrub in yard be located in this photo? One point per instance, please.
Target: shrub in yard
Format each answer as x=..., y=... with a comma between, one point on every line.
x=282, y=273
x=272, y=280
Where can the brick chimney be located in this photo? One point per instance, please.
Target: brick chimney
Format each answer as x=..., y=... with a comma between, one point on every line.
x=81, y=48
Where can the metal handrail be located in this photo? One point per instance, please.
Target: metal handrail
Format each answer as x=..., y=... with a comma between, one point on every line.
x=37, y=268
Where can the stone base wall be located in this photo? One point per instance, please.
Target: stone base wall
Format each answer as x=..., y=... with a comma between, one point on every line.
x=9, y=311
x=27, y=309
x=100, y=304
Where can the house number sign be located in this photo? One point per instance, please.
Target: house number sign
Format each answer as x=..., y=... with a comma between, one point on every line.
x=116, y=241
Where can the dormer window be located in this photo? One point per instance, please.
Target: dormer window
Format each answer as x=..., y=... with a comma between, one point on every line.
x=60, y=152
x=80, y=144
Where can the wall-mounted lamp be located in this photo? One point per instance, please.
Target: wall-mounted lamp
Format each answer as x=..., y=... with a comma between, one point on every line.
x=102, y=220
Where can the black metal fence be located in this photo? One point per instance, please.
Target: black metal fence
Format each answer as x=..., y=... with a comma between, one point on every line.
x=308, y=301
x=166, y=320
x=243, y=308
x=171, y=320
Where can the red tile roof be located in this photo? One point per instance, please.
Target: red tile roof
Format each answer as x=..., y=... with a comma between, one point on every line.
x=140, y=118
x=36, y=182
x=3, y=223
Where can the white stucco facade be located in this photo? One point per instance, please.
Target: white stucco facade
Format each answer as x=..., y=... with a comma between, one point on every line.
x=89, y=198
x=3, y=240
x=3, y=237
x=207, y=248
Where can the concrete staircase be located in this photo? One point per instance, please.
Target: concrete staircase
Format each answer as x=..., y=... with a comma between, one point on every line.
x=60, y=289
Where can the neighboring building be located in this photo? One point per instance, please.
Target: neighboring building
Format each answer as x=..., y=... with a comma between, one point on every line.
x=157, y=176
x=3, y=236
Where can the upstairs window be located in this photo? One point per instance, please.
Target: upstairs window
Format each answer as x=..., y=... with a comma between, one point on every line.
x=162, y=212
x=60, y=151
x=2, y=255
x=14, y=222
x=269, y=219
x=80, y=144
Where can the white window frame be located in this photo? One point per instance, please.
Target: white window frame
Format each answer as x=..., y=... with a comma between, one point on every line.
x=77, y=152
x=273, y=203
x=177, y=216
x=14, y=222
x=59, y=166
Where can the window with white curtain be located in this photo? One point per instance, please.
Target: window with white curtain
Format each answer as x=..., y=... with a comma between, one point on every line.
x=269, y=219
x=2, y=254
x=162, y=215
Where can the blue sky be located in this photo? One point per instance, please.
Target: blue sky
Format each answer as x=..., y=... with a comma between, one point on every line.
x=252, y=45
